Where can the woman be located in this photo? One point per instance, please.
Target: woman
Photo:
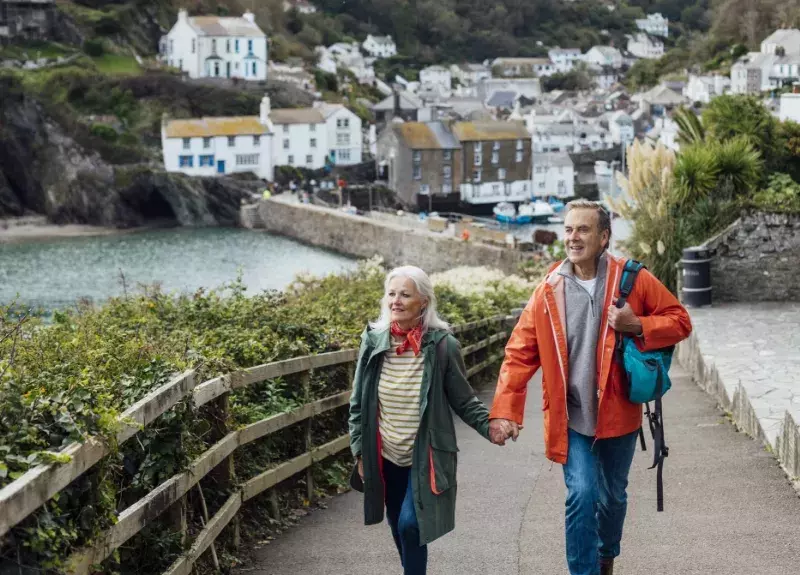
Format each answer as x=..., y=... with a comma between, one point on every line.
x=409, y=374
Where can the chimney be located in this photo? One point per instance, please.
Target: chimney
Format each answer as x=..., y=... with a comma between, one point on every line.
x=266, y=108
x=183, y=15
x=249, y=16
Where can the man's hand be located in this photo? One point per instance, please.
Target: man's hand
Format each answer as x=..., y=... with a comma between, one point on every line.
x=361, y=468
x=501, y=429
x=624, y=320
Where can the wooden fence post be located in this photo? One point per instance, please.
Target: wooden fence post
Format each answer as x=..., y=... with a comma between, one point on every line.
x=305, y=380
x=226, y=472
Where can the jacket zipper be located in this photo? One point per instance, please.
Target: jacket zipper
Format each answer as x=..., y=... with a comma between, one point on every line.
x=605, y=334
x=560, y=362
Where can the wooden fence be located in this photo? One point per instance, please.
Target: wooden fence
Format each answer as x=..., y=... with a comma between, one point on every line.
x=26, y=494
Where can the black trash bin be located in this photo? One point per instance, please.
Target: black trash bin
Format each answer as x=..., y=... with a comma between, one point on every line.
x=696, y=290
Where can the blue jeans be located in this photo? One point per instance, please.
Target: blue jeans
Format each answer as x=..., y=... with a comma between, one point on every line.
x=596, y=477
x=402, y=518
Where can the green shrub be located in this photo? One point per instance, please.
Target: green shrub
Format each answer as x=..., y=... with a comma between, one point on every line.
x=94, y=47
x=105, y=132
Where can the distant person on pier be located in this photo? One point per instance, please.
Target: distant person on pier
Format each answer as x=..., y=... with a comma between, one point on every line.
x=409, y=376
x=568, y=328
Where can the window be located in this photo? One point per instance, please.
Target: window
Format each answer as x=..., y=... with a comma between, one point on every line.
x=520, y=145
x=424, y=189
x=286, y=144
x=290, y=159
x=228, y=46
x=496, y=189
x=476, y=176
x=495, y=158
x=236, y=46
x=417, y=156
x=541, y=184
x=206, y=143
x=346, y=122
x=447, y=172
x=417, y=172
x=496, y=146
x=447, y=188
x=194, y=45
x=478, y=156
x=186, y=161
x=254, y=69
x=338, y=122
x=501, y=174
x=187, y=143
x=343, y=154
x=343, y=139
x=539, y=169
x=313, y=142
x=256, y=141
x=250, y=49
x=213, y=46
x=286, y=128
x=309, y=159
x=247, y=159
x=519, y=156
x=231, y=141
x=180, y=64
x=206, y=161
x=171, y=46
x=448, y=155
x=312, y=128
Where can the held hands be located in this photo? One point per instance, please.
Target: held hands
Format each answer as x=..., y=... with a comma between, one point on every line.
x=361, y=468
x=624, y=320
x=501, y=429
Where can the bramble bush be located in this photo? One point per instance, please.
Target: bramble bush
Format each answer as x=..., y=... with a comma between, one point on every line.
x=70, y=379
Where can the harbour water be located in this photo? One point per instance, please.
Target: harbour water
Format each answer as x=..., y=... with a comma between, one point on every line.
x=57, y=273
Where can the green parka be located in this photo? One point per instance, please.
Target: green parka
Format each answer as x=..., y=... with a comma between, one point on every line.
x=433, y=471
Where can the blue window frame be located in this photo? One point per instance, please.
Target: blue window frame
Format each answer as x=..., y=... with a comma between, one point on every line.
x=186, y=161
x=236, y=45
x=250, y=46
x=254, y=70
x=206, y=161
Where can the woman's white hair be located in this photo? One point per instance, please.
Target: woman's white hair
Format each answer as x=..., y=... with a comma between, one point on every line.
x=430, y=318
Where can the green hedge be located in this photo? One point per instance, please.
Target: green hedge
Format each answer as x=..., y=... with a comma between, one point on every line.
x=71, y=378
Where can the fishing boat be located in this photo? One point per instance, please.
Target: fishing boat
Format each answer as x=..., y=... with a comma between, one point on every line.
x=533, y=212
x=505, y=213
x=556, y=204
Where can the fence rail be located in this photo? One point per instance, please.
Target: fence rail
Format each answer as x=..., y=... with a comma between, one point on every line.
x=25, y=495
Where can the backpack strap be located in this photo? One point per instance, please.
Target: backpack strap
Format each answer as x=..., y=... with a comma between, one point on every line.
x=629, y=273
x=660, y=448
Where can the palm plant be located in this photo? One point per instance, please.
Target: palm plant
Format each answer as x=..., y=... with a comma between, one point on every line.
x=690, y=129
x=695, y=174
x=740, y=168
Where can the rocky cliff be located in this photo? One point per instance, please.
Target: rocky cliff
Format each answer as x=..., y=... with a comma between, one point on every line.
x=45, y=170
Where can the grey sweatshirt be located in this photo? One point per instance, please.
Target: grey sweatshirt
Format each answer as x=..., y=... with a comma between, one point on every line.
x=583, y=310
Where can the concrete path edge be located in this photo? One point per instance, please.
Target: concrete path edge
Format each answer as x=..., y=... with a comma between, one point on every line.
x=732, y=398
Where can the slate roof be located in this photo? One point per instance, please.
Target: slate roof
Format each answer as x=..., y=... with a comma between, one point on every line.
x=426, y=136
x=210, y=127
x=225, y=26
x=488, y=131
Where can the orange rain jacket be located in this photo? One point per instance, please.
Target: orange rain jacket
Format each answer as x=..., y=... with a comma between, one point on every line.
x=540, y=340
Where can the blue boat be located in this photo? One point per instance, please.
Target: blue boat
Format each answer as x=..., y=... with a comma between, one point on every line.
x=556, y=204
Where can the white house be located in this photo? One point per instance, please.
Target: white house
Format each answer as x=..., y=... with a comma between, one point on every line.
x=380, y=46
x=325, y=60
x=301, y=138
x=345, y=138
x=784, y=71
x=350, y=57
x=654, y=24
x=524, y=67
x=604, y=77
x=577, y=137
x=530, y=88
x=604, y=56
x=553, y=175
x=302, y=6
x=751, y=73
x=564, y=59
x=436, y=76
x=704, y=88
x=620, y=126
x=470, y=74
x=219, y=146
x=642, y=45
x=216, y=47
x=788, y=39
x=665, y=130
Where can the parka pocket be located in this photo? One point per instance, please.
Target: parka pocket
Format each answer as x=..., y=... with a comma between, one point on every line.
x=443, y=460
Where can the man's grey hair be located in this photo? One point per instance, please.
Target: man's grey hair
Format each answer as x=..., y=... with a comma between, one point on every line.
x=603, y=217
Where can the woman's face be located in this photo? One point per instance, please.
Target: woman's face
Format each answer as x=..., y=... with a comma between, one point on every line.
x=405, y=302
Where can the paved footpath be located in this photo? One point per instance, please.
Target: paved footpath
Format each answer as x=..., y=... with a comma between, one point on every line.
x=729, y=509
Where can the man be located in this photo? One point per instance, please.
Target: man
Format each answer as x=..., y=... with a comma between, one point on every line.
x=568, y=329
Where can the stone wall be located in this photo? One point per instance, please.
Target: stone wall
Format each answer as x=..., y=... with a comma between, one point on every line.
x=398, y=245
x=757, y=259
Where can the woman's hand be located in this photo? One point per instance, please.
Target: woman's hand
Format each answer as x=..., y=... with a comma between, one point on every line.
x=361, y=468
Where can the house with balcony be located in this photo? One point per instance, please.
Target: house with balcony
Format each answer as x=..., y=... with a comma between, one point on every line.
x=654, y=24
x=564, y=59
x=419, y=161
x=553, y=175
x=345, y=138
x=216, y=47
x=219, y=146
x=496, y=163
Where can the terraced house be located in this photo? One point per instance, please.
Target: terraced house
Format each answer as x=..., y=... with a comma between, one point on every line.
x=216, y=47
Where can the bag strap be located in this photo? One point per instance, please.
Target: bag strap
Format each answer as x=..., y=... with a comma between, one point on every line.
x=660, y=448
x=629, y=273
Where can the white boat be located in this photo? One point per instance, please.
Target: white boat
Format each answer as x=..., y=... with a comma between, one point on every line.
x=505, y=212
x=538, y=211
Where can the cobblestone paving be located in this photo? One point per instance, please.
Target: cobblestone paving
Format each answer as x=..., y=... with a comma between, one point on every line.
x=756, y=346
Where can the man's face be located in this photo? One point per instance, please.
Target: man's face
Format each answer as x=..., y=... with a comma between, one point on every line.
x=582, y=236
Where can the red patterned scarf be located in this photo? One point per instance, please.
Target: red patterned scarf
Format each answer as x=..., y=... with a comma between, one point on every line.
x=411, y=338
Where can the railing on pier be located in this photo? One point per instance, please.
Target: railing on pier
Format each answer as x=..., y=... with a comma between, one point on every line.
x=28, y=493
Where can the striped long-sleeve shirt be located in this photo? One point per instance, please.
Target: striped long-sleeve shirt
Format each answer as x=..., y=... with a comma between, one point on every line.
x=399, y=396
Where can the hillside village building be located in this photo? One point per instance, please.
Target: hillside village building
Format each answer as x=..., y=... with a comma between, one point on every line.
x=644, y=46
x=380, y=46
x=28, y=19
x=564, y=59
x=654, y=24
x=216, y=47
